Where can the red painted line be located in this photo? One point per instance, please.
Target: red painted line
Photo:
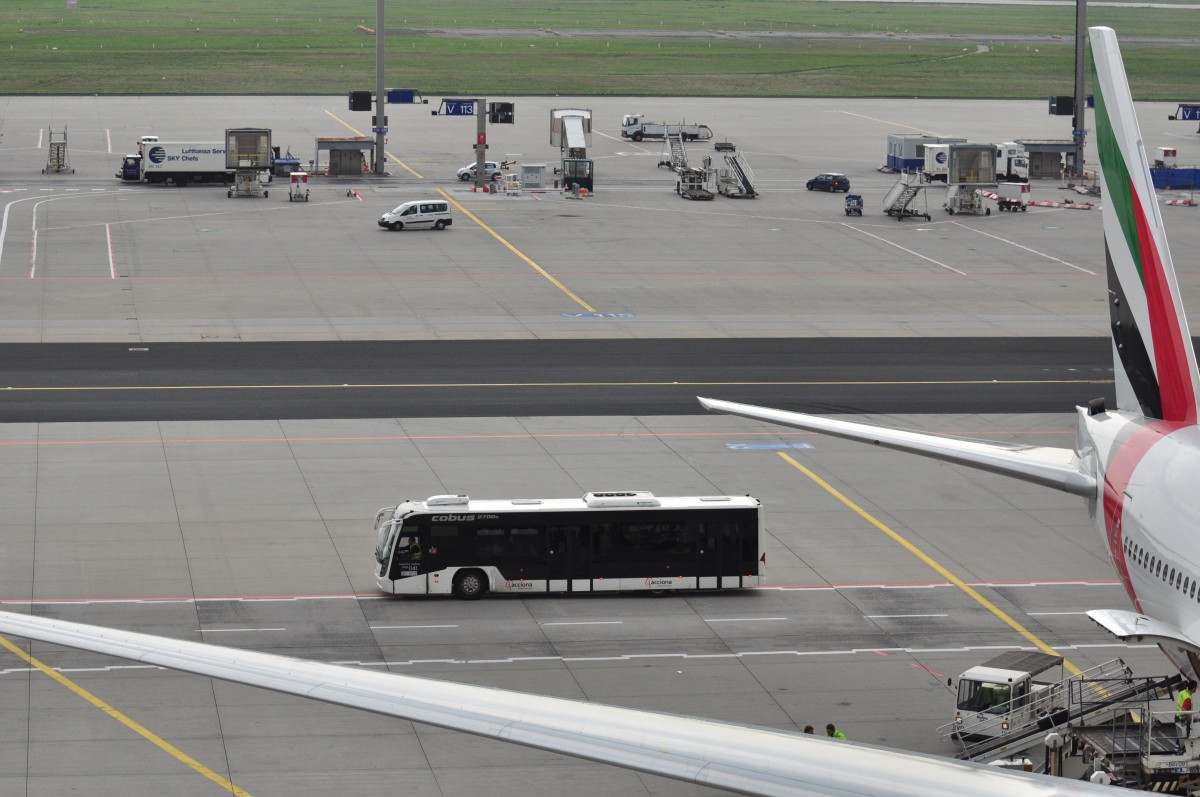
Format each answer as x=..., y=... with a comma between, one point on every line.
x=926, y=669
x=386, y=438
x=360, y=596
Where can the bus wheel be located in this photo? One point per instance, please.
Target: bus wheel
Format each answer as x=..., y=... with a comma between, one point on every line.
x=470, y=585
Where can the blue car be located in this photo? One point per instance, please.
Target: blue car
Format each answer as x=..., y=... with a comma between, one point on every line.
x=829, y=181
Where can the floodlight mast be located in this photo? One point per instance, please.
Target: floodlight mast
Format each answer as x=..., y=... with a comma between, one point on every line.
x=481, y=177
x=1078, y=133
x=380, y=126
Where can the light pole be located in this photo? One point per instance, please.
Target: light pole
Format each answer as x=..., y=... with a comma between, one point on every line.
x=1078, y=134
x=380, y=121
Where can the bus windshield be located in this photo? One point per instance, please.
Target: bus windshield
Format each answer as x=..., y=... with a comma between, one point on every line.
x=387, y=535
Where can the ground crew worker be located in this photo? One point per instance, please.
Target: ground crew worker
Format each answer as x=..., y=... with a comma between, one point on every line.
x=1183, y=703
x=834, y=733
x=808, y=729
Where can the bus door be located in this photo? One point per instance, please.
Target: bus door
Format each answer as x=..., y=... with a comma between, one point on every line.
x=732, y=557
x=708, y=553
x=569, y=558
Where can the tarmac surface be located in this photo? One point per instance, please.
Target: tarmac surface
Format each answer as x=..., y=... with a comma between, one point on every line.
x=257, y=533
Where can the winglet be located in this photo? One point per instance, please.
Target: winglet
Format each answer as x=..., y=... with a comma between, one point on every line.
x=1154, y=363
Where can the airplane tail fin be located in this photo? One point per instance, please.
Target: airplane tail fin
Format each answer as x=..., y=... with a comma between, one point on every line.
x=1153, y=361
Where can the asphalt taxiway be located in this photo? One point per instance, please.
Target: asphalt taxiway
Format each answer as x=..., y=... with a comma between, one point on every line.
x=257, y=532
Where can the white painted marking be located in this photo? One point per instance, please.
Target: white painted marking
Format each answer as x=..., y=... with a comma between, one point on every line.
x=108, y=139
x=379, y=627
x=1026, y=248
x=40, y=134
x=894, y=616
x=112, y=257
x=633, y=657
x=742, y=619
x=589, y=622
x=903, y=249
x=235, y=630
x=1053, y=614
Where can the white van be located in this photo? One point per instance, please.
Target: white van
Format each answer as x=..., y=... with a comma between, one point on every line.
x=433, y=213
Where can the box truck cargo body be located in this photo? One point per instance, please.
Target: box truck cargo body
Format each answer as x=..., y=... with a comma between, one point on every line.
x=181, y=162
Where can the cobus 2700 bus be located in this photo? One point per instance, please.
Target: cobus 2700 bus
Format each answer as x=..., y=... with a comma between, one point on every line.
x=603, y=542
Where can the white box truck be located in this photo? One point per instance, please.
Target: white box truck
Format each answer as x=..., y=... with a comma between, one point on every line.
x=181, y=162
x=1012, y=163
x=634, y=126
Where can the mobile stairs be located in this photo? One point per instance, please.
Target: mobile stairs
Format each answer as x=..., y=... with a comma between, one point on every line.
x=1023, y=722
x=676, y=156
x=738, y=180
x=900, y=200
x=57, y=161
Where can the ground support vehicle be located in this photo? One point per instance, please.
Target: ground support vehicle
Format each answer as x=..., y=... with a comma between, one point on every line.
x=694, y=183
x=180, y=162
x=854, y=205
x=900, y=200
x=247, y=183
x=967, y=199
x=633, y=126
x=602, y=542
x=57, y=161
x=736, y=181
x=418, y=214
x=1007, y=704
x=298, y=188
x=1013, y=205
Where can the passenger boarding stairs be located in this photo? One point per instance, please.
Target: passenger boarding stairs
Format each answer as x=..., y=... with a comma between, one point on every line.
x=898, y=201
x=738, y=181
x=57, y=161
x=674, y=156
x=1023, y=722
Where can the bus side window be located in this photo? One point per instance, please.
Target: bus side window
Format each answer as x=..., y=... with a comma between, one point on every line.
x=489, y=544
x=527, y=543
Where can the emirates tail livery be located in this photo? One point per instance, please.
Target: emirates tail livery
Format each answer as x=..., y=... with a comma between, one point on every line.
x=1136, y=465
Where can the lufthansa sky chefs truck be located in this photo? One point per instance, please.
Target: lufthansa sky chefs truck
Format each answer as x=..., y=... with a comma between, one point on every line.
x=633, y=126
x=181, y=162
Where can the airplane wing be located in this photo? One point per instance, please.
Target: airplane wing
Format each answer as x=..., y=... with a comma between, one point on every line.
x=1049, y=467
x=744, y=759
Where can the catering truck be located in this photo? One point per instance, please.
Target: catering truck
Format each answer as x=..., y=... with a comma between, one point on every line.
x=633, y=126
x=181, y=162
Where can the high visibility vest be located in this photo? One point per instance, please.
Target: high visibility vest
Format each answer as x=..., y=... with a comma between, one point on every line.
x=836, y=735
x=1184, y=704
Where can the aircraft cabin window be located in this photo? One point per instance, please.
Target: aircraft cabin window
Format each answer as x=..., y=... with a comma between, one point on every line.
x=1193, y=589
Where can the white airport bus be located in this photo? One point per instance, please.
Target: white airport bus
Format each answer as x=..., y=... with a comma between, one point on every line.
x=603, y=542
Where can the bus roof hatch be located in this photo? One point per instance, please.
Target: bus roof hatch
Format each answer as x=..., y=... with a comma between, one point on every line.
x=627, y=498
